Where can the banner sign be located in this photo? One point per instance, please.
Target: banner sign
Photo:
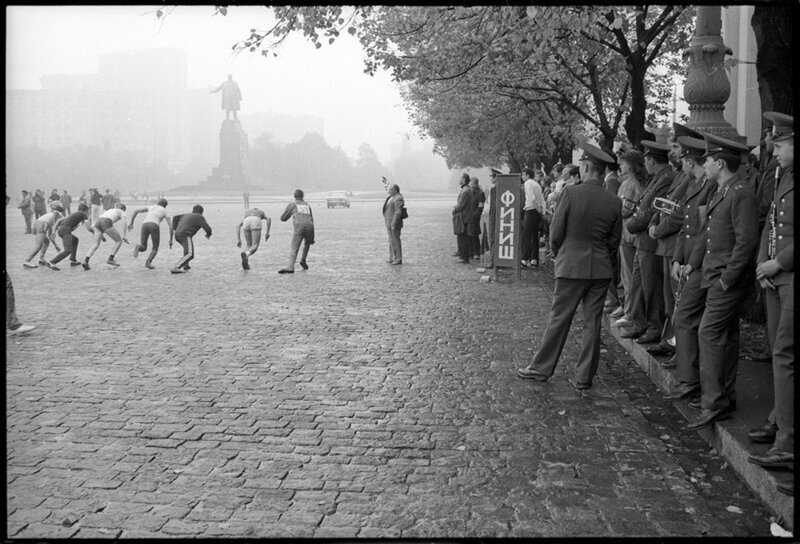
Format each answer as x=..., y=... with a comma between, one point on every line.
x=508, y=208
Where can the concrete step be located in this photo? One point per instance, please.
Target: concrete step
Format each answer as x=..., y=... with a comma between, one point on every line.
x=754, y=397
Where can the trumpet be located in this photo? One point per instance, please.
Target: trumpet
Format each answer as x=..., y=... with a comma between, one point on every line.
x=628, y=204
x=667, y=206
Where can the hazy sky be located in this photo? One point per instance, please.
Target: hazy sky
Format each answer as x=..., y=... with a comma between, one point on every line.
x=327, y=82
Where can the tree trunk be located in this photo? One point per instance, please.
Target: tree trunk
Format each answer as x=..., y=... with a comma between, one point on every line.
x=634, y=124
x=514, y=167
x=772, y=26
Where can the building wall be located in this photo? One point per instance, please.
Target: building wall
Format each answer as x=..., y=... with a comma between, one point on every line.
x=743, y=108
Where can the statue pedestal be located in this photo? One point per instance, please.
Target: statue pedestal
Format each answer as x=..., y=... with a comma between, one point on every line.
x=232, y=148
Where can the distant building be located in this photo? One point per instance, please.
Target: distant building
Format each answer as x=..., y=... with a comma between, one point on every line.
x=283, y=128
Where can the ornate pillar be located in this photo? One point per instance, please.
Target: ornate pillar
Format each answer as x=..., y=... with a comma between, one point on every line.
x=707, y=87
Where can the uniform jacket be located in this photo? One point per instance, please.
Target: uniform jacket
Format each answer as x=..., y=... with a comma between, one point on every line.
x=784, y=207
x=585, y=231
x=638, y=223
x=392, y=211
x=694, y=204
x=667, y=226
x=729, y=247
x=612, y=183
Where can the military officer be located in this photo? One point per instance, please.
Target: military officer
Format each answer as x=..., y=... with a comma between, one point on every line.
x=692, y=301
x=647, y=268
x=728, y=253
x=584, y=235
x=775, y=272
x=664, y=227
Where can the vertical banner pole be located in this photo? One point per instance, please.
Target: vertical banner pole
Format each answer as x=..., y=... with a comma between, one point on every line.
x=507, y=222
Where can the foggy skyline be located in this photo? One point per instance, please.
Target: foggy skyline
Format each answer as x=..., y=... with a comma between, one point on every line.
x=328, y=82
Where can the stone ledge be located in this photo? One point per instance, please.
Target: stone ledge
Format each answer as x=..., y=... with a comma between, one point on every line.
x=729, y=437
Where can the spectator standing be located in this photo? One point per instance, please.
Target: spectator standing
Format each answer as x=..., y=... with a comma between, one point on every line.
x=488, y=219
x=462, y=220
x=728, y=251
x=393, y=219
x=96, y=201
x=533, y=210
x=303, y=222
x=26, y=207
x=691, y=304
x=108, y=200
x=478, y=202
x=611, y=182
x=584, y=235
x=66, y=201
x=775, y=271
x=647, y=268
x=53, y=196
x=39, y=206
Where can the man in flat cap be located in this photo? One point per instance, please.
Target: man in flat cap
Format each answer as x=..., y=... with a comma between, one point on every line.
x=584, y=236
x=728, y=252
x=775, y=272
x=692, y=298
x=647, y=267
x=664, y=227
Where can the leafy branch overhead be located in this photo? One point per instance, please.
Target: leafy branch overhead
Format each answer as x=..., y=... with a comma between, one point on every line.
x=493, y=82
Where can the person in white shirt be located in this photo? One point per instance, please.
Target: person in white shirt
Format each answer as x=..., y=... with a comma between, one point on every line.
x=105, y=225
x=44, y=233
x=151, y=228
x=532, y=217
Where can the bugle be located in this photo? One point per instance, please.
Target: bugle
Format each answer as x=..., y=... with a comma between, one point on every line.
x=667, y=206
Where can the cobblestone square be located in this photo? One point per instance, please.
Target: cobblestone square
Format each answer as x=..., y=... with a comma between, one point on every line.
x=355, y=399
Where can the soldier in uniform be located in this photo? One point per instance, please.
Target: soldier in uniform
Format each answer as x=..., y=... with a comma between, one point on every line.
x=775, y=272
x=584, y=235
x=647, y=268
x=728, y=253
x=692, y=300
x=664, y=227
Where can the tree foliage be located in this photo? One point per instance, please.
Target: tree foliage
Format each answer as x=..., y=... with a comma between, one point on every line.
x=476, y=74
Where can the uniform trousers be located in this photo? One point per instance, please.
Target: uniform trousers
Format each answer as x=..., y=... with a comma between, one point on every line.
x=648, y=269
x=780, y=322
x=395, y=245
x=613, y=294
x=686, y=322
x=719, y=346
x=669, y=287
x=627, y=255
x=568, y=294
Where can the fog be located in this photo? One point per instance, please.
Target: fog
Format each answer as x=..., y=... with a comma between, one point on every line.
x=328, y=83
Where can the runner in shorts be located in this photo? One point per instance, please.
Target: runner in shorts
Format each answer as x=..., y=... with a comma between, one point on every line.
x=251, y=226
x=64, y=228
x=105, y=226
x=151, y=228
x=43, y=232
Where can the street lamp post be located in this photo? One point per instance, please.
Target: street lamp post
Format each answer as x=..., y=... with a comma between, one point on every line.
x=707, y=87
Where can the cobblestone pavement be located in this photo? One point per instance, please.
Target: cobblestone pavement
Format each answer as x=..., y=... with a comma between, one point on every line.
x=355, y=399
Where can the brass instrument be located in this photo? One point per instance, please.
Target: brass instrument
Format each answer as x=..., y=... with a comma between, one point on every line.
x=630, y=205
x=666, y=206
x=772, y=247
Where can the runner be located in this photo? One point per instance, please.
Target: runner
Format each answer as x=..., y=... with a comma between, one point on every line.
x=105, y=225
x=151, y=229
x=64, y=228
x=187, y=226
x=251, y=225
x=43, y=232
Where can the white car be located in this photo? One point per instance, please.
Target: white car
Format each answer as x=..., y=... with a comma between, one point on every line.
x=338, y=199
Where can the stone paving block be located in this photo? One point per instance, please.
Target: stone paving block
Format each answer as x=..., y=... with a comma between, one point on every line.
x=45, y=531
x=184, y=528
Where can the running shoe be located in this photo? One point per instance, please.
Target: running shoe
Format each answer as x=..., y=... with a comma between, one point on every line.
x=305, y=265
x=26, y=264
x=150, y=266
x=74, y=263
x=42, y=262
x=22, y=329
x=177, y=271
x=112, y=262
x=51, y=266
x=85, y=264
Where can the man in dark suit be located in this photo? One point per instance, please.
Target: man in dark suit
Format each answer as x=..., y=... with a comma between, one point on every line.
x=393, y=218
x=462, y=220
x=584, y=235
x=728, y=253
x=775, y=272
x=647, y=267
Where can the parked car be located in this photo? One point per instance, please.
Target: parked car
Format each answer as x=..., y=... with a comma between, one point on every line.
x=338, y=199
